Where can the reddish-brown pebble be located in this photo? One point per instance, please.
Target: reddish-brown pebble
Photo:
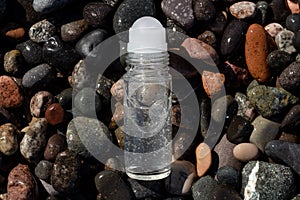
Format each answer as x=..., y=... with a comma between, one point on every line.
x=119, y=112
x=55, y=114
x=56, y=144
x=21, y=184
x=293, y=6
x=117, y=90
x=256, y=52
x=16, y=33
x=10, y=94
x=289, y=138
x=204, y=158
x=212, y=82
x=246, y=152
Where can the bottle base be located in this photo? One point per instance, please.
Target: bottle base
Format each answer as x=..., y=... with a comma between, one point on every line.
x=150, y=176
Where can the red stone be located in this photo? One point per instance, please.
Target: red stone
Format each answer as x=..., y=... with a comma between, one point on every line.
x=10, y=95
x=55, y=114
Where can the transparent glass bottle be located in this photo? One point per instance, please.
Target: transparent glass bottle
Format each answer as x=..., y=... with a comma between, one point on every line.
x=147, y=113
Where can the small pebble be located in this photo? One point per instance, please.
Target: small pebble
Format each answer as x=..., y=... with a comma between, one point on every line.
x=279, y=60
x=291, y=121
x=21, y=184
x=284, y=41
x=39, y=103
x=17, y=33
x=245, y=152
x=87, y=101
x=103, y=87
x=221, y=107
x=44, y=7
x=10, y=93
x=41, y=31
x=55, y=114
x=13, y=62
x=117, y=90
x=56, y=144
x=284, y=152
x=264, y=131
x=140, y=191
x=273, y=29
x=243, y=9
x=112, y=3
x=9, y=139
x=43, y=170
x=239, y=130
x=212, y=82
x=119, y=112
x=181, y=178
x=218, y=25
x=280, y=10
x=203, y=187
x=31, y=52
x=65, y=98
x=95, y=13
x=263, y=6
x=267, y=181
x=222, y=192
x=179, y=11
x=208, y=37
x=228, y=176
x=286, y=137
x=65, y=173
x=203, y=158
x=292, y=22
x=289, y=79
x=73, y=30
x=204, y=10
x=245, y=108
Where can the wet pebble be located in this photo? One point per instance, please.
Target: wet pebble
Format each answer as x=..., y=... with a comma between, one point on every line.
x=45, y=7
x=9, y=139
x=179, y=11
x=203, y=187
x=111, y=186
x=73, y=30
x=212, y=82
x=228, y=176
x=56, y=144
x=13, y=62
x=264, y=131
x=41, y=31
x=43, y=170
x=89, y=41
x=243, y=9
x=284, y=41
x=55, y=114
x=279, y=60
x=95, y=13
x=208, y=37
x=65, y=98
x=203, y=158
x=181, y=177
x=10, y=93
x=221, y=107
x=34, y=141
x=289, y=79
x=31, y=51
x=291, y=121
x=88, y=102
x=245, y=108
x=39, y=103
x=65, y=173
x=239, y=130
x=292, y=22
x=245, y=152
x=103, y=87
x=21, y=184
x=267, y=181
x=204, y=10
x=284, y=152
x=273, y=29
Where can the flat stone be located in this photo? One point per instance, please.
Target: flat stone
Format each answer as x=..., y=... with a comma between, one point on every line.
x=284, y=152
x=9, y=139
x=10, y=93
x=264, y=131
x=284, y=41
x=273, y=29
x=203, y=158
x=41, y=31
x=245, y=152
x=243, y=9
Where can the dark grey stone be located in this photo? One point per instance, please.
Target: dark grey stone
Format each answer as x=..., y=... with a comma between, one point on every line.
x=32, y=52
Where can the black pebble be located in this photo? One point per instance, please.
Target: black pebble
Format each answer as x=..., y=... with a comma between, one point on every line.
x=229, y=176
x=291, y=122
x=204, y=10
x=239, y=130
x=289, y=78
x=292, y=22
x=31, y=51
x=95, y=13
x=278, y=60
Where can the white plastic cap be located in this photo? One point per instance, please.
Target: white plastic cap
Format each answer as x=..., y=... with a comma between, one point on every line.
x=147, y=35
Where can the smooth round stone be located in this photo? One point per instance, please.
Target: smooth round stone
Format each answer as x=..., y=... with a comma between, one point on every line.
x=223, y=193
x=280, y=10
x=279, y=60
x=233, y=34
x=31, y=52
x=9, y=139
x=111, y=186
x=129, y=11
x=284, y=152
x=292, y=22
x=239, y=130
x=245, y=108
x=256, y=52
x=39, y=103
x=10, y=93
x=56, y=144
x=88, y=102
x=291, y=121
x=55, y=114
x=65, y=173
x=41, y=31
x=284, y=41
x=204, y=10
x=270, y=101
x=267, y=181
x=181, y=178
x=89, y=41
x=243, y=9
x=44, y=7
x=73, y=30
x=60, y=55
x=264, y=131
x=273, y=29
x=38, y=77
x=34, y=141
x=65, y=98
x=13, y=62
x=289, y=79
x=16, y=34
x=95, y=13
x=208, y=37
x=228, y=176
x=203, y=158
x=212, y=82
x=203, y=187
x=181, y=13
x=245, y=152
x=43, y=170
x=200, y=50
x=21, y=183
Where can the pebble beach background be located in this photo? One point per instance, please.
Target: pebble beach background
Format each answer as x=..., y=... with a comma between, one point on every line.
x=255, y=46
